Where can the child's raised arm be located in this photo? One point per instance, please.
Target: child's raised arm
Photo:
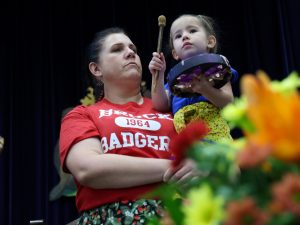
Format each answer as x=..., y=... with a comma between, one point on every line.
x=159, y=95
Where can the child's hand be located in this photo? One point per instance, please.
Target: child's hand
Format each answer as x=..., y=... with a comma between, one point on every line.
x=200, y=84
x=157, y=63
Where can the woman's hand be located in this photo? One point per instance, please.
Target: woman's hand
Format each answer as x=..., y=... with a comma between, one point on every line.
x=183, y=173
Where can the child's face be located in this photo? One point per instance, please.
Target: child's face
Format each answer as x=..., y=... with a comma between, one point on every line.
x=189, y=37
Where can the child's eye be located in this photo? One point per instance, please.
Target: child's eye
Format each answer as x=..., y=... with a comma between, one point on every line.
x=177, y=36
x=193, y=30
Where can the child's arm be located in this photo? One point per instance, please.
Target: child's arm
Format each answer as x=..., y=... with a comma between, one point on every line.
x=219, y=97
x=159, y=96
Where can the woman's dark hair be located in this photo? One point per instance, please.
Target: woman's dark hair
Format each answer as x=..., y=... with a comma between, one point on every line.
x=209, y=25
x=93, y=52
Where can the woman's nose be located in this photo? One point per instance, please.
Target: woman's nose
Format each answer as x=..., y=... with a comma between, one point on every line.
x=130, y=53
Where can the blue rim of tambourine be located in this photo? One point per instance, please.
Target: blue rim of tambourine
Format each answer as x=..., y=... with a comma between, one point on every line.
x=208, y=64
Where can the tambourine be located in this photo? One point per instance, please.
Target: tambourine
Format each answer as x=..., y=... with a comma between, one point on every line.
x=214, y=67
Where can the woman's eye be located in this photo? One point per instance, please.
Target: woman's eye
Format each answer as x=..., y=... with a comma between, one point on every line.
x=134, y=49
x=116, y=49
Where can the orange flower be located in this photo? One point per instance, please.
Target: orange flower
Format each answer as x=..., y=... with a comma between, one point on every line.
x=166, y=219
x=253, y=155
x=245, y=212
x=286, y=194
x=274, y=115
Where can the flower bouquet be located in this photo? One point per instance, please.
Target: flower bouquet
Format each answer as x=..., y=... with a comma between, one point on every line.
x=253, y=180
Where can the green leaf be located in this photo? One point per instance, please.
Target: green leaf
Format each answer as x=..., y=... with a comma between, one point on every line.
x=167, y=193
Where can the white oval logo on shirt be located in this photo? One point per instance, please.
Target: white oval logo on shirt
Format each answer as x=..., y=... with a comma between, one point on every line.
x=137, y=123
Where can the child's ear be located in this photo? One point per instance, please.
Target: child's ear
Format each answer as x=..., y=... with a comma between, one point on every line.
x=95, y=70
x=175, y=56
x=211, y=41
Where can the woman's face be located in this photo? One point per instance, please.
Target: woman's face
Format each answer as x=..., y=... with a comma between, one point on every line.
x=119, y=61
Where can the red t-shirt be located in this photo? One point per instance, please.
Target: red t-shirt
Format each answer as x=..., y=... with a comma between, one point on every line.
x=129, y=129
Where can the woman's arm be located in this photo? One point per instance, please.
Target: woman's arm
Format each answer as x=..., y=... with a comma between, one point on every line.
x=92, y=168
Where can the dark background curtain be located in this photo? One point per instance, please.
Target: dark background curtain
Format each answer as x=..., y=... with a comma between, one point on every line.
x=42, y=45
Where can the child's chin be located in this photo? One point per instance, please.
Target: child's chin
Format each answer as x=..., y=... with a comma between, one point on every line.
x=191, y=54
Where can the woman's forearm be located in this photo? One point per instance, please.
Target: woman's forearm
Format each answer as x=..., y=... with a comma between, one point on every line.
x=92, y=168
x=119, y=171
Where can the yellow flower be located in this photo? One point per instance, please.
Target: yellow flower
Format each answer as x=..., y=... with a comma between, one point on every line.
x=235, y=145
x=89, y=99
x=203, y=208
x=235, y=114
x=275, y=116
x=287, y=85
x=236, y=110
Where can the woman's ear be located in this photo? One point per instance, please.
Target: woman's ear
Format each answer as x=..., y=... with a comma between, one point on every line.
x=95, y=70
x=211, y=41
x=175, y=56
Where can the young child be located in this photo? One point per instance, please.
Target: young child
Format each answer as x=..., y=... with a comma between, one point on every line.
x=191, y=35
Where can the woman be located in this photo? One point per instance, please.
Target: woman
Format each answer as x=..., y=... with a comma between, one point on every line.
x=117, y=149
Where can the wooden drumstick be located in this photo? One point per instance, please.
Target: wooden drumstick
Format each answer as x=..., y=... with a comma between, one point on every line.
x=1, y=143
x=161, y=24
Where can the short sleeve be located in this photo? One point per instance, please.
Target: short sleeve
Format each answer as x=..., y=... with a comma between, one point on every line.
x=235, y=75
x=75, y=126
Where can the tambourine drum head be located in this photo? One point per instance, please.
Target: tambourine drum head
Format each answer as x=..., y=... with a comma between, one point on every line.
x=214, y=67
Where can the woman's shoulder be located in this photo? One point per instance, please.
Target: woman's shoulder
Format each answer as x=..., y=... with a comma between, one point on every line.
x=78, y=109
x=79, y=112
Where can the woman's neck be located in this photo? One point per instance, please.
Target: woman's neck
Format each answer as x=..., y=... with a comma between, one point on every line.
x=123, y=99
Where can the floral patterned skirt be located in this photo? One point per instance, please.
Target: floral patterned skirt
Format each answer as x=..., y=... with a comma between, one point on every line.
x=122, y=213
